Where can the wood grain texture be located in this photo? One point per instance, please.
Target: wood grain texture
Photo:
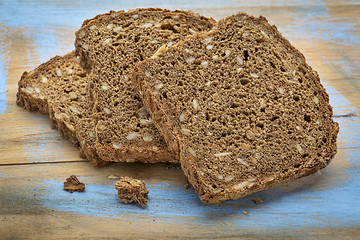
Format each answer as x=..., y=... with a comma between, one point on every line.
x=35, y=160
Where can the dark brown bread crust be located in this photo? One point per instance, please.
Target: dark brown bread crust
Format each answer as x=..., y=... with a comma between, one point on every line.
x=249, y=128
x=109, y=45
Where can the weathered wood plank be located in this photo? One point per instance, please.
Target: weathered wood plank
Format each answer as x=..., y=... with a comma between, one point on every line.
x=26, y=137
x=34, y=193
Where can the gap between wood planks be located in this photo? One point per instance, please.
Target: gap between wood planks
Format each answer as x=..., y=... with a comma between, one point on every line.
x=345, y=115
x=31, y=163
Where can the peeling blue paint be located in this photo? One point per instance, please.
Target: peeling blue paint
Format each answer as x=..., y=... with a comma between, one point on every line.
x=2, y=88
x=281, y=207
x=2, y=79
x=314, y=22
x=347, y=67
x=350, y=126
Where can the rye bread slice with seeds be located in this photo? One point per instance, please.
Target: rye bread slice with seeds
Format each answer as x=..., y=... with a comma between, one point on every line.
x=109, y=45
x=59, y=88
x=240, y=108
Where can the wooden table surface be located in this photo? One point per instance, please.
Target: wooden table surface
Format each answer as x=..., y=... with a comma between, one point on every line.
x=35, y=159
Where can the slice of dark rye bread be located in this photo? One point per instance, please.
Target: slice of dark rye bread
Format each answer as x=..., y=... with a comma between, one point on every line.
x=59, y=88
x=109, y=45
x=240, y=108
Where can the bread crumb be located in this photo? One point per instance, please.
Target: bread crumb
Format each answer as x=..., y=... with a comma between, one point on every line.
x=167, y=166
x=132, y=190
x=258, y=201
x=245, y=212
x=73, y=184
x=113, y=177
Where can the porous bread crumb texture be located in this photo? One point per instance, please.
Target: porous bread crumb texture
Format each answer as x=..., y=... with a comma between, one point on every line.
x=59, y=88
x=73, y=184
x=109, y=46
x=132, y=190
x=240, y=108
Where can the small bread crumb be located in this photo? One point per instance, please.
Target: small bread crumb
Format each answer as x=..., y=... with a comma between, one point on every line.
x=73, y=184
x=132, y=190
x=113, y=177
x=258, y=201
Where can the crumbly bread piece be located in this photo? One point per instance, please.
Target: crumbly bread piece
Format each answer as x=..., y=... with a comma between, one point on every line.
x=240, y=108
x=109, y=45
x=132, y=190
x=58, y=88
x=73, y=184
